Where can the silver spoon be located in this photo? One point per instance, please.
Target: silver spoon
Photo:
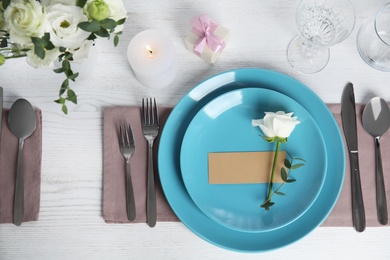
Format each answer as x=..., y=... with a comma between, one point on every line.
x=376, y=121
x=22, y=123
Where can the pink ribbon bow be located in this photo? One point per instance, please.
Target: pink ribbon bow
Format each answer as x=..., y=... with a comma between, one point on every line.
x=204, y=27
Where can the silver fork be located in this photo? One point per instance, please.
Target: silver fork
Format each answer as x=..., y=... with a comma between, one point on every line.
x=150, y=126
x=127, y=147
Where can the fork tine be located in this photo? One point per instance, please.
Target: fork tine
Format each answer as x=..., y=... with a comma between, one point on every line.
x=150, y=116
x=121, y=139
x=143, y=112
x=130, y=137
x=155, y=114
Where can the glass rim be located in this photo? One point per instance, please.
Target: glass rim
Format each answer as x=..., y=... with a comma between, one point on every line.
x=387, y=5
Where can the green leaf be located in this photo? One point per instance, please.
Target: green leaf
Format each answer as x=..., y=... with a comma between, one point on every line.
x=108, y=24
x=39, y=51
x=93, y=26
x=66, y=65
x=71, y=96
x=300, y=159
x=84, y=26
x=116, y=40
x=291, y=180
x=64, y=86
x=91, y=37
x=103, y=33
x=60, y=100
x=62, y=49
x=81, y=3
x=5, y=3
x=59, y=70
x=296, y=166
x=287, y=163
x=73, y=76
x=64, y=109
x=121, y=21
x=283, y=174
x=280, y=193
x=267, y=204
x=37, y=41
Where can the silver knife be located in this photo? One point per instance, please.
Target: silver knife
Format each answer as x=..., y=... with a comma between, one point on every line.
x=348, y=117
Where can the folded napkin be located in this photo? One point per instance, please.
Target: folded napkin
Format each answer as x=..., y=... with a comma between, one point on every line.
x=114, y=189
x=114, y=208
x=32, y=158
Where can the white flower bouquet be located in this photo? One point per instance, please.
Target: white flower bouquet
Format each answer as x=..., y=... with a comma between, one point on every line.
x=46, y=30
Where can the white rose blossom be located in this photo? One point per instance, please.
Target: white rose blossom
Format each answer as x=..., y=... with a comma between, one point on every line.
x=34, y=61
x=279, y=124
x=24, y=19
x=117, y=11
x=63, y=23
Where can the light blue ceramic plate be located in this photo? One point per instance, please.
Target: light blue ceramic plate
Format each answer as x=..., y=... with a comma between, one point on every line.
x=206, y=227
x=224, y=125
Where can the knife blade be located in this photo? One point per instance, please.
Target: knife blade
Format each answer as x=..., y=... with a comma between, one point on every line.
x=348, y=117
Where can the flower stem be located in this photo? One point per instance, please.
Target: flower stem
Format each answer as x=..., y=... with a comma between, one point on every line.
x=271, y=183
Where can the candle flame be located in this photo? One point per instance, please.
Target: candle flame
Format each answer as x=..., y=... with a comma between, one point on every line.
x=149, y=49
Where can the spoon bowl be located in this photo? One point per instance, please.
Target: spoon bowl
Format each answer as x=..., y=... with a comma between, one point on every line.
x=22, y=123
x=376, y=121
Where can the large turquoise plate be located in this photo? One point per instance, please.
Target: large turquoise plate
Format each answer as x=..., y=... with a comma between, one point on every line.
x=224, y=125
x=204, y=226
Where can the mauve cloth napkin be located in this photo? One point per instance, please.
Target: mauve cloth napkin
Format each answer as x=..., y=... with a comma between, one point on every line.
x=114, y=207
x=32, y=158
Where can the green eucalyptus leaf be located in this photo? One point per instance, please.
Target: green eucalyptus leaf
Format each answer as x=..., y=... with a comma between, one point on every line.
x=296, y=166
x=73, y=76
x=300, y=159
x=59, y=70
x=283, y=174
x=64, y=109
x=37, y=41
x=66, y=65
x=108, y=24
x=84, y=26
x=103, y=33
x=280, y=193
x=5, y=3
x=121, y=21
x=62, y=49
x=116, y=40
x=267, y=204
x=64, y=86
x=39, y=51
x=71, y=96
x=93, y=26
x=81, y=3
x=287, y=163
x=91, y=37
x=291, y=180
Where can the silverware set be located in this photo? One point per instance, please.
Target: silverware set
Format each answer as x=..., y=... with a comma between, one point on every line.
x=376, y=121
x=150, y=129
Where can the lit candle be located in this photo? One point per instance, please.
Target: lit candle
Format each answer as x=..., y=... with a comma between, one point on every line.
x=152, y=57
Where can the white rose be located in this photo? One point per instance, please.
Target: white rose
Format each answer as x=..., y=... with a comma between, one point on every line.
x=25, y=19
x=34, y=61
x=277, y=124
x=117, y=10
x=62, y=25
x=82, y=52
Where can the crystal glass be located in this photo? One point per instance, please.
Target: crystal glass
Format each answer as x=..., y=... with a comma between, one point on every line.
x=373, y=40
x=321, y=24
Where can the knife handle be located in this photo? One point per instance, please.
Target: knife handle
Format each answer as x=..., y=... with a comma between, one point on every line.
x=358, y=215
x=381, y=204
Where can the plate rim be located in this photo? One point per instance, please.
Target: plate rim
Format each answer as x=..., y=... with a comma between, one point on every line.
x=196, y=223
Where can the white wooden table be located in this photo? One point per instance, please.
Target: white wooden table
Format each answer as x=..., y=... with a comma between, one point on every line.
x=71, y=226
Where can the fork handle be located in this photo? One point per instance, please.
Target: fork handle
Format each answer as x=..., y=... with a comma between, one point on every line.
x=130, y=206
x=151, y=210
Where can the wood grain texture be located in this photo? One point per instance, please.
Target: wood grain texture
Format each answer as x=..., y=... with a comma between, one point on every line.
x=71, y=224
